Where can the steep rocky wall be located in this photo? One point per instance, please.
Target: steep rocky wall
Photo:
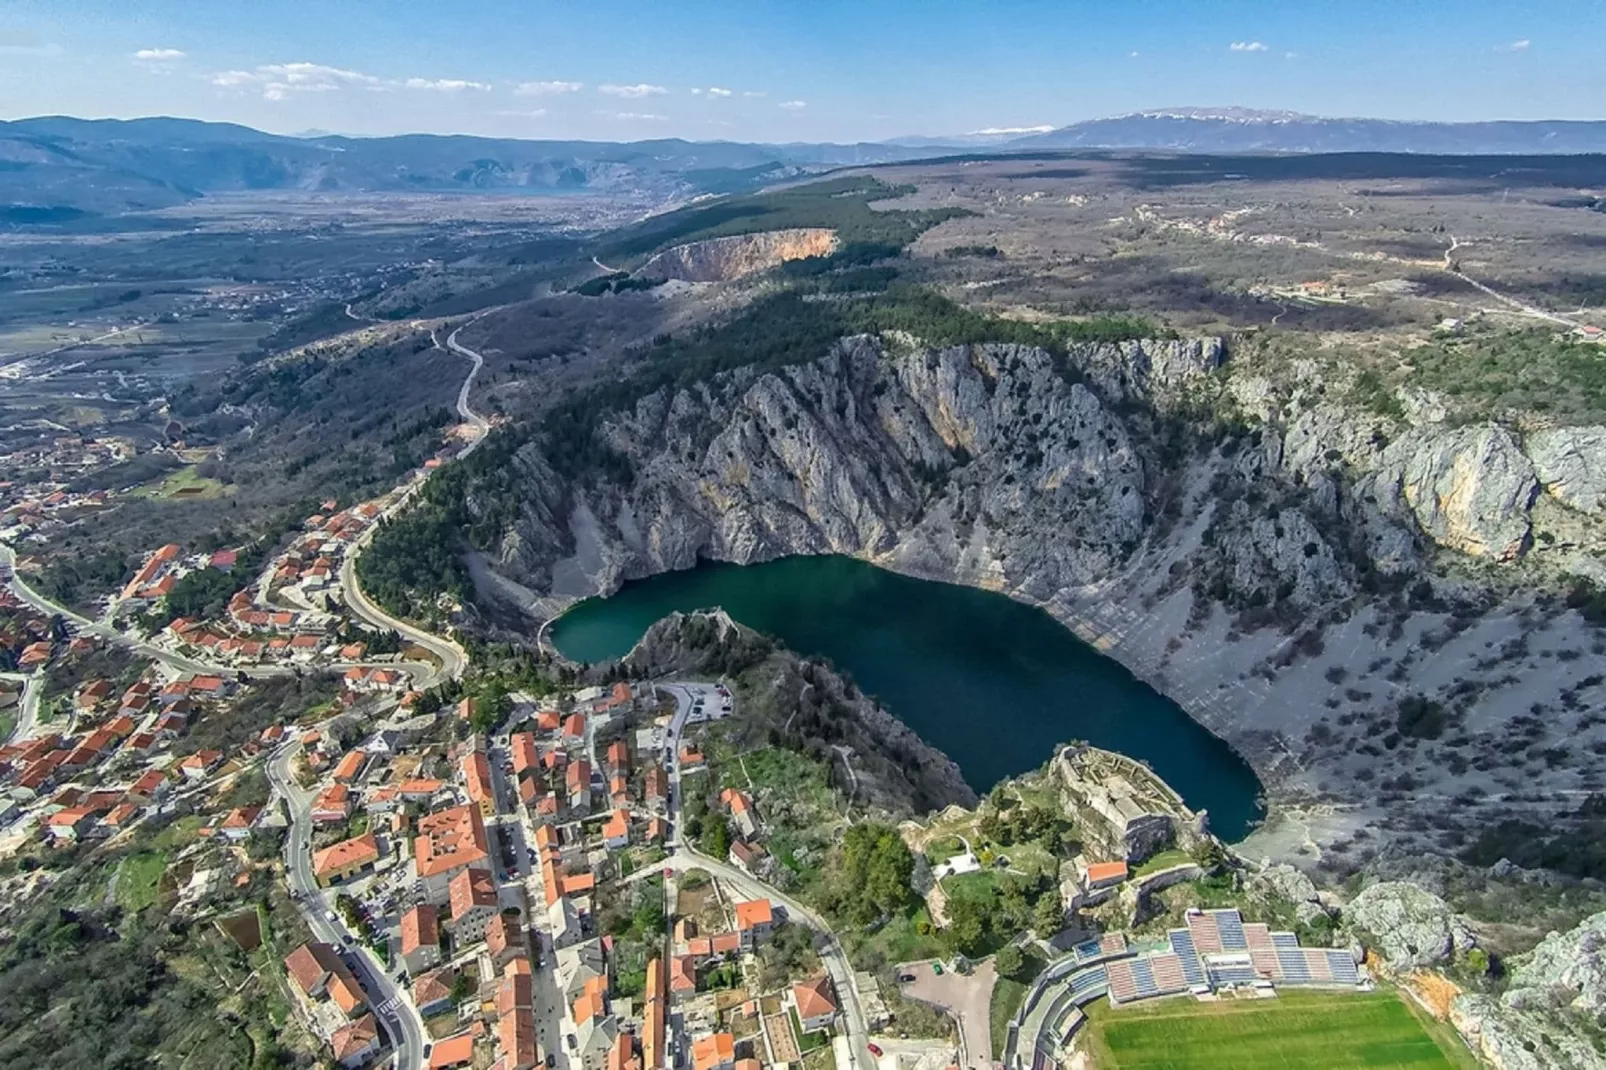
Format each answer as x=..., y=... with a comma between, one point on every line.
x=1261, y=583
x=721, y=259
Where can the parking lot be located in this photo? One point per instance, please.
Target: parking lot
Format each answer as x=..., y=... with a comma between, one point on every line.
x=967, y=998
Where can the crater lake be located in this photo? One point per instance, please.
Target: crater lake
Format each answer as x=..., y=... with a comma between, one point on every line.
x=994, y=683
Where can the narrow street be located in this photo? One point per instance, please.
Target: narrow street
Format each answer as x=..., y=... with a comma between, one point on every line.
x=391, y=1002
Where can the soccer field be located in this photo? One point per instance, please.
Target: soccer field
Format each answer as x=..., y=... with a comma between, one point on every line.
x=1331, y=1031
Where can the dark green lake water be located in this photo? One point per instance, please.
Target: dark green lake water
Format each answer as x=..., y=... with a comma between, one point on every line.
x=992, y=682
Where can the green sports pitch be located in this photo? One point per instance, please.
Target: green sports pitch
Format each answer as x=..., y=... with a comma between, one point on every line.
x=1331, y=1031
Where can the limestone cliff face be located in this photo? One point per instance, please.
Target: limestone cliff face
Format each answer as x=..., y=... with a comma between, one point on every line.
x=1571, y=464
x=1550, y=1012
x=1271, y=582
x=720, y=259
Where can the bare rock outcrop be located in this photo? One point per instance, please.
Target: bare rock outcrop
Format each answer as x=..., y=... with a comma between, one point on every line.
x=1412, y=927
x=722, y=259
x=1549, y=1014
x=1470, y=487
x=1571, y=465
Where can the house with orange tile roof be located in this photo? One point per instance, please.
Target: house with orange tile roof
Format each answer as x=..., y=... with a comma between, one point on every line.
x=476, y=773
x=624, y=1055
x=683, y=974
x=717, y=1051
x=345, y=859
x=741, y=811
x=150, y=787
x=448, y=842
x=515, y=1036
x=1103, y=875
x=473, y=901
x=755, y=920
x=504, y=939
x=355, y=1043
x=657, y=789
x=574, y=728
x=815, y=1002
x=548, y=721
x=333, y=805
x=452, y=1052
x=421, y=938
x=318, y=972
x=238, y=823
x=577, y=786
x=420, y=789
x=652, y=1019
x=350, y=766
x=616, y=830
x=526, y=756
x=617, y=759
x=433, y=991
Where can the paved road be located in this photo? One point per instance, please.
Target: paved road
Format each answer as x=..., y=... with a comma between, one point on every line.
x=967, y=999
x=27, y=706
x=85, y=626
x=687, y=857
x=453, y=658
x=468, y=414
x=399, y=1015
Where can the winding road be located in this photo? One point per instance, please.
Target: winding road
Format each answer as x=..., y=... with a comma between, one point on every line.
x=684, y=856
x=452, y=657
x=391, y=1003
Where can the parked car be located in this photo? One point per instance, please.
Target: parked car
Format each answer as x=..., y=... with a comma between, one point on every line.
x=875, y=1050
x=905, y=978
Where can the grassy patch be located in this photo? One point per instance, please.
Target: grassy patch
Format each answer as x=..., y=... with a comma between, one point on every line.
x=138, y=878
x=820, y=1059
x=900, y=940
x=1337, y=1032
x=1163, y=860
x=1008, y=994
x=184, y=484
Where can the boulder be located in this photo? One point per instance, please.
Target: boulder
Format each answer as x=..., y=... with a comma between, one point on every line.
x=1565, y=969
x=1410, y=927
x=1286, y=882
x=1571, y=465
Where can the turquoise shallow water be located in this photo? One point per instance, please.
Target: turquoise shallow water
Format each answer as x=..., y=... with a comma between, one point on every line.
x=993, y=683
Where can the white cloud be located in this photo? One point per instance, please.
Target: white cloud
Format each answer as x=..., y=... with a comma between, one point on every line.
x=234, y=79
x=1518, y=46
x=280, y=80
x=1132, y=54
x=158, y=55
x=1247, y=46
x=716, y=91
x=632, y=92
x=542, y=89
x=532, y=113
x=993, y=131
x=444, y=85
x=754, y=93
x=794, y=105
x=635, y=116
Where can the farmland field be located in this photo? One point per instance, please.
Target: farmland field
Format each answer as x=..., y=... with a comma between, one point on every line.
x=1336, y=1032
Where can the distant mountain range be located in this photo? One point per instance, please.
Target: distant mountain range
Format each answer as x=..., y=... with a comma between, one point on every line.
x=1237, y=130
x=55, y=169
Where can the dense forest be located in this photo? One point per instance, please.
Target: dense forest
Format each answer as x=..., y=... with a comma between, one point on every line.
x=842, y=204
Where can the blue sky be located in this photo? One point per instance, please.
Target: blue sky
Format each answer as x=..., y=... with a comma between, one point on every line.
x=788, y=70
